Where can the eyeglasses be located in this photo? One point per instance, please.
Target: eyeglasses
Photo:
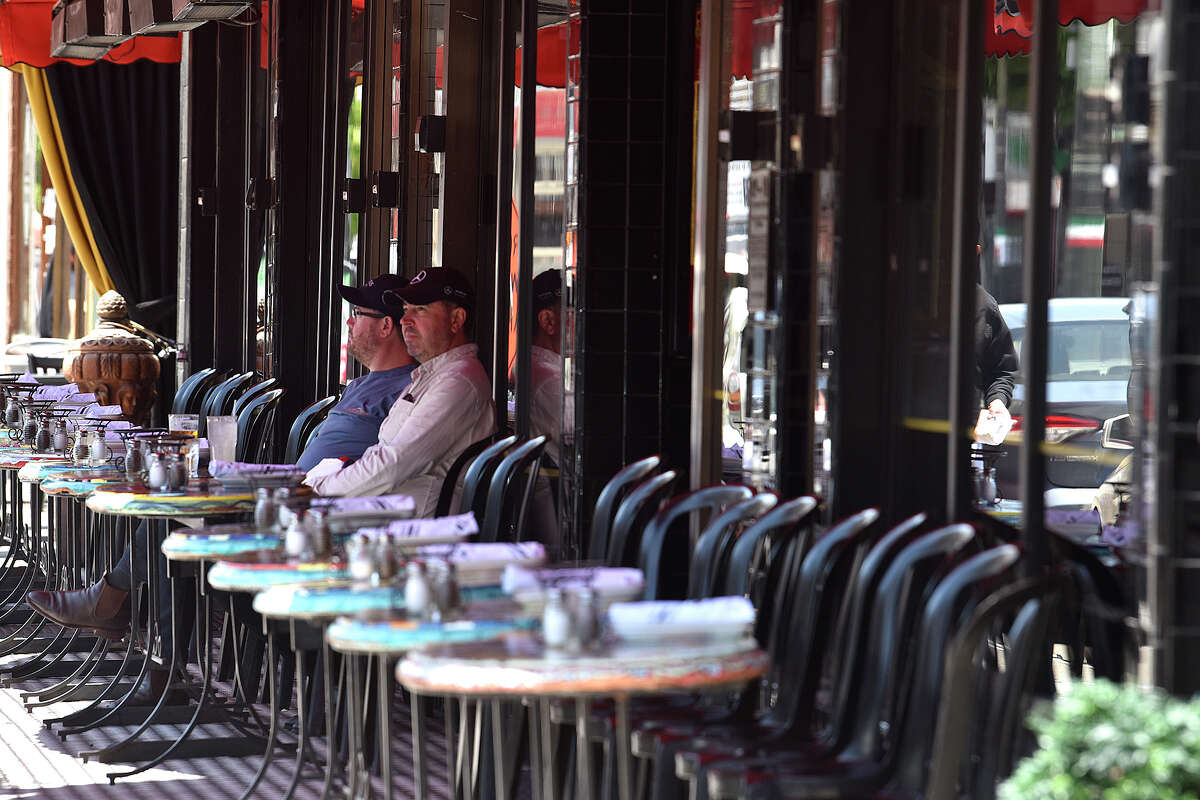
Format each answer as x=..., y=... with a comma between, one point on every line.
x=362, y=312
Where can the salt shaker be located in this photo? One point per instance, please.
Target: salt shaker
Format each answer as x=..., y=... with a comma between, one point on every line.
x=156, y=472
x=359, y=551
x=556, y=621
x=99, y=451
x=61, y=440
x=416, y=589
x=264, y=511
x=295, y=539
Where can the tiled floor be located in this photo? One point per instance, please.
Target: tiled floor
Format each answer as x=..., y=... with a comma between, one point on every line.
x=36, y=763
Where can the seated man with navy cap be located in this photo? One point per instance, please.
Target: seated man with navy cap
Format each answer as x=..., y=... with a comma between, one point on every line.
x=446, y=408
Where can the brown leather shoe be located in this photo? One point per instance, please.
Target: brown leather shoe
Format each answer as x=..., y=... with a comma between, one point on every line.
x=152, y=687
x=101, y=607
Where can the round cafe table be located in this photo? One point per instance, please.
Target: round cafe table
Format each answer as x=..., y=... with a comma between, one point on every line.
x=521, y=666
x=203, y=498
x=73, y=529
x=385, y=633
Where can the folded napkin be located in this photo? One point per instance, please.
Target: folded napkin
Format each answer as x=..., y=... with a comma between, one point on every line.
x=26, y=378
x=603, y=580
x=220, y=468
x=102, y=411
x=110, y=431
x=714, y=611
x=461, y=525
x=324, y=467
x=993, y=428
x=79, y=399
x=469, y=552
x=55, y=393
x=362, y=505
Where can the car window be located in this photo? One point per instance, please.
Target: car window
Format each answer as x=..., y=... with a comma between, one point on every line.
x=1085, y=351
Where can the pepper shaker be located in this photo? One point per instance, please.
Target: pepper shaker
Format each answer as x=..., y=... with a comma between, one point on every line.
x=264, y=510
x=319, y=536
x=42, y=438
x=176, y=473
x=81, y=449
x=585, y=619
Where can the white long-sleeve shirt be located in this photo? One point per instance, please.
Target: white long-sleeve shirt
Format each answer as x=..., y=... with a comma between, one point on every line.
x=447, y=407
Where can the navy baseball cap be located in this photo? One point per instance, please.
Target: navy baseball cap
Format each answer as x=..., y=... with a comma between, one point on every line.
x=370, y=294
x=429, y=286
x=547, y=289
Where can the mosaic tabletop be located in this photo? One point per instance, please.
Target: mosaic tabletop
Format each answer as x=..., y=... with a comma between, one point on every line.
x=326, y=602
x=71, y=480
x=199, y=498
x=256, y=570
x=390, y=632
x=520, y=664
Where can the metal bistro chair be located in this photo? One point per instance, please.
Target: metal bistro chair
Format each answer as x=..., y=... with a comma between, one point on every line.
x=255, y=424
x=220, y=399
x=465, y=458
x=191, y=393
x=306, y=425
x=479, y=475
x=252, y=392
x=615, y=491
x=510, y=491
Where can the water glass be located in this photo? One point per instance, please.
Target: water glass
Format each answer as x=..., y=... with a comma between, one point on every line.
x=222, y=437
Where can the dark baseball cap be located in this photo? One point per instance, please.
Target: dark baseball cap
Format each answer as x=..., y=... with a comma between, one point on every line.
x=370, y=294
x=547, y=289
x=429, y=286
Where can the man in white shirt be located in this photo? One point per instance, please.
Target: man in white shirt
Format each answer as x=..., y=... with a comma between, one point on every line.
x=447, y=407
x=545, y=409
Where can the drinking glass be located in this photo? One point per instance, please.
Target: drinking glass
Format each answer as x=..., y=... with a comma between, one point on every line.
x=183, y=424
x=222, y=437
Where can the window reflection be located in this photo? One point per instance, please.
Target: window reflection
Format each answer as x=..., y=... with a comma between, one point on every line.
x=1103, y=232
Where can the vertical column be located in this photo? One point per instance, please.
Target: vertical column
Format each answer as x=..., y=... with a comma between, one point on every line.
x=626, y=242
x=1171, y=448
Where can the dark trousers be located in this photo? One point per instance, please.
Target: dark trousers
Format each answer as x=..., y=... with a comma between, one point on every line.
x=132, y=571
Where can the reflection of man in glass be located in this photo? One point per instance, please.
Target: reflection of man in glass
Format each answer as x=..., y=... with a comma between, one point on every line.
x=545, y=408
x=995, y=360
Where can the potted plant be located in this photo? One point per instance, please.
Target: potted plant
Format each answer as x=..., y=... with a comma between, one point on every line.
x=1106, y=741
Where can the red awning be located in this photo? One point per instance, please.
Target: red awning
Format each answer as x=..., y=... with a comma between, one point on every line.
x=1010, y=34
x=25, y=39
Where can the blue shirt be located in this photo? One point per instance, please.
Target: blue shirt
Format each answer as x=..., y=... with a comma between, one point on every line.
x=353, y=424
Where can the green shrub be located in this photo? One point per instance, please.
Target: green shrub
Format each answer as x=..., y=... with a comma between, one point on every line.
x=1106, y=741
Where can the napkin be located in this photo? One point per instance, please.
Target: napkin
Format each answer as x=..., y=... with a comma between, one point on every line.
x=55, y=393
x=26, y=378
x=324, y=467
x=459, y=525
x=220, y=468
x=485, y=552
x=360, y=505
x=110, y=432
x=727, y=611
x=600, y=579
x=993, y=427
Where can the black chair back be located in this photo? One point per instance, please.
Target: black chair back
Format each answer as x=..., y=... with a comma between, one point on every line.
x=479, y=475
x=305, y=425
x=610, y=498
x=44, y=364
x=976, y=732
x=220, y=400
x=255, y=425
x=874, y=676
x=775, y=528
x=632, y=515
x=711, y=550
x=252, y=392
x=468, y=456
x=187, y=390
x=510, y=491
x=664, y=558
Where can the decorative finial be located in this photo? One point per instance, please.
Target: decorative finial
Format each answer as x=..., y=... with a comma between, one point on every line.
x=112, y=307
